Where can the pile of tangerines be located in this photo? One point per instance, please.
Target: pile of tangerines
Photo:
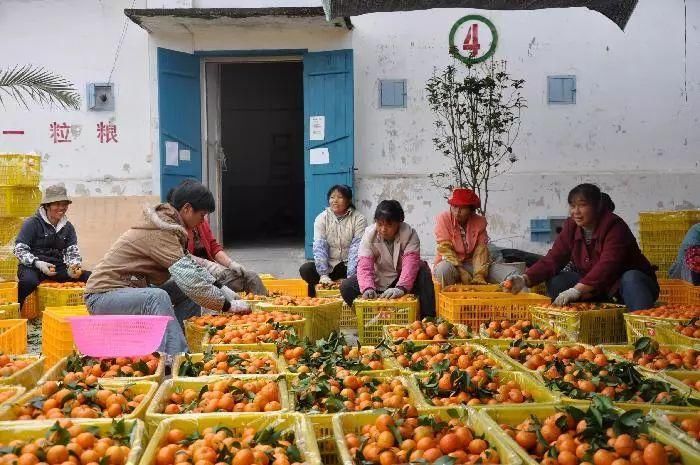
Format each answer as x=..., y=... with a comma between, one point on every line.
x=218, y=320
x=648, y=354
x=230, y=395
x=406, y=437
x=521, y=329
x=68, y=443
x=289, y=301
x=690, y=329
x=85, y=399
x=444, y=357
x=224, y=446
x=6, y=394
x=575, y=437
x=228, y=363
x=690, y=425
x=80, y=367
x=671, y=311
x=251, y=333
x=10, y=365
x=66, y=285
x=430, y=329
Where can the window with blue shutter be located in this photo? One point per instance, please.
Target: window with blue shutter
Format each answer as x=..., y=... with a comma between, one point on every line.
x=561, y=89
x=392, y=93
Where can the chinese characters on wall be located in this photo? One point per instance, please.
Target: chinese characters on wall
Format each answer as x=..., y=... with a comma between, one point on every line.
x=106, y=132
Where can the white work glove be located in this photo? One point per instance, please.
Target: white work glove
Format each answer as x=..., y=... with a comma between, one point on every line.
x=75, y=271
x=392, y=293
x=240, y=307
x=567, y=296
x=325, y=279
x=236, y=267
x=516, y=284
x=45, y=267
x=369, y=294
x=229, y=294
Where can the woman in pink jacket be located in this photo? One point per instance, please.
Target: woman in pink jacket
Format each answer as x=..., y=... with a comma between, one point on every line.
x=389, y=264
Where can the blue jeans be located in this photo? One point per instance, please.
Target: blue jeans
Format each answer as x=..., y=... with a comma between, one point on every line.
x=638, y=291
x=147, y=301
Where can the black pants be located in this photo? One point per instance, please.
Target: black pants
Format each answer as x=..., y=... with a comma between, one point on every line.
x=29, y=279
x=422, y=288
x=308, y=273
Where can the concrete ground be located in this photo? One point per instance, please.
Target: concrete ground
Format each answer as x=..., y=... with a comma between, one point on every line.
x=281, y=259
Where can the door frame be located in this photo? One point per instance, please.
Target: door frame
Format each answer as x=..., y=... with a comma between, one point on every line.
x=211, y=169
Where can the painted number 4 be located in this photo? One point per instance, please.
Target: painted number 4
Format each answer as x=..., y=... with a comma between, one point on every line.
x=471, y=42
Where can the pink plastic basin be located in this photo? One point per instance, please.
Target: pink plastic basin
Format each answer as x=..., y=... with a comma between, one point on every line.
x=118, y=335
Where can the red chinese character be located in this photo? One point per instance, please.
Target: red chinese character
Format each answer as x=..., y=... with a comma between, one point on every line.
x=60, y=132
x=107, y=133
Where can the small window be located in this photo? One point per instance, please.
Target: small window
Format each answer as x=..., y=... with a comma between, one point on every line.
x=392, y=93
x=561, y=89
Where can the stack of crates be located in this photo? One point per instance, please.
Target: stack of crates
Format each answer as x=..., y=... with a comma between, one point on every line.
x=19, y=198
x=56, y=335
x=661, y=233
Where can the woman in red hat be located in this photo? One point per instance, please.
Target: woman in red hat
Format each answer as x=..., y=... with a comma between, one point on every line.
x=462, y=251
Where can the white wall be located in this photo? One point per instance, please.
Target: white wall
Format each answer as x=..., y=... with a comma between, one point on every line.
x=631, y=130
x=78, y=39
x=634, y=128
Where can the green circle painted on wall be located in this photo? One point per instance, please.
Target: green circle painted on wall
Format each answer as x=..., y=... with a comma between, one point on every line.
x=473, y=39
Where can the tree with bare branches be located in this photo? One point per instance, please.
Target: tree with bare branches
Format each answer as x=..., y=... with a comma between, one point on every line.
x=477, y=114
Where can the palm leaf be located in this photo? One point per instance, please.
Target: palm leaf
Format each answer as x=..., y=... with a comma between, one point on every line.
x=39, y=85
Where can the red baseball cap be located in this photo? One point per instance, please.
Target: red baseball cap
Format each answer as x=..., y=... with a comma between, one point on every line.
x=463, y=197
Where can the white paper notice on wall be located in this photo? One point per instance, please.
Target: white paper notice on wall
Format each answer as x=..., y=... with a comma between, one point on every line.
x=319, y=156
x=317, y=128
x=185, y=155
x=171, y=153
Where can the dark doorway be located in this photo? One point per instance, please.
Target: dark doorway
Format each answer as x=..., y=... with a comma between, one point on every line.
x=262, y=131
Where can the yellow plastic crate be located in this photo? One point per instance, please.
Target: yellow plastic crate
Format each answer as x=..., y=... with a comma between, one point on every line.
x=500, y=349
x=471, y=288
x=56, y=336
x=300, y=425
x=474, y=308
x=28, y=376
x=58, y=297
x=8, y=292
x=638, y=326
x=19, y=201
x=9, y=227
x=665, y=333
x=147, y=388
x=13, y=336
x=662, y=256
x=20, y=169
x=604, y=326
x=345, y=423
x=676, y=378
x=662, y=422
x=18, y=392
x=30, y=307
x=8, y=263
x=320, y=292
x=666, y=227
x=154, y=413
x=492, y=419
x=9, y=311
x=31, y=430
x=280, y=364
x=540, y=394
x=55, y=373
x=614, y=351
x=194, y=335
x=290, y=287
x=676, y=292
x=373, y=315
x=348, y=319
x=321, y=320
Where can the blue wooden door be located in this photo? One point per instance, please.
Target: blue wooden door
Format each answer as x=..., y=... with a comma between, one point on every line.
x=179, y=111
x=328, y=93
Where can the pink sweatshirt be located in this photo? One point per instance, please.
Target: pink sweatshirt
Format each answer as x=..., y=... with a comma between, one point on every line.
x=378, y=269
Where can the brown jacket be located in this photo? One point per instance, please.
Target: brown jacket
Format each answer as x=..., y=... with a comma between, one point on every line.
x=143, y=254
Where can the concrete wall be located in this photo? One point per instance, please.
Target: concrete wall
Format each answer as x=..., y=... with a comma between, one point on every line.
x=78, y=39
x=634, y=129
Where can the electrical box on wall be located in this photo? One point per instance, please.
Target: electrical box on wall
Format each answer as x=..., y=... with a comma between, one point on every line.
x=546, y=229
x=100, y=96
